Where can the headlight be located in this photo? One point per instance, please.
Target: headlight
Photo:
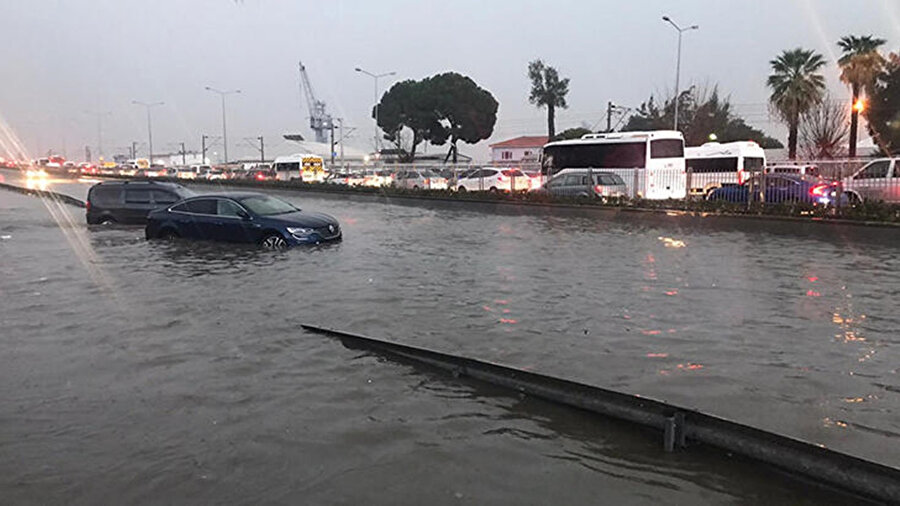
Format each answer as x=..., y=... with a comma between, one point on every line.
x=299, y=231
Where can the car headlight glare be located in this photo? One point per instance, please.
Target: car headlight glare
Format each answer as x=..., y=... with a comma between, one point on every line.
x=299, y=231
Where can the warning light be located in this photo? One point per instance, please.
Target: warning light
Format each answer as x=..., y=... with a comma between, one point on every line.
x=859, y=106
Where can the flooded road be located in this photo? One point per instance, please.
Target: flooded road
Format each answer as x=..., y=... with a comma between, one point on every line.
x=144, y=372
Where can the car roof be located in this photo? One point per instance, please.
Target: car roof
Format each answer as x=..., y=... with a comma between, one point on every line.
x=161, y=184
x=231, y=195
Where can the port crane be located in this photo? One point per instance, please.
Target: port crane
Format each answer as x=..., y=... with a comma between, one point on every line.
x=319, y=121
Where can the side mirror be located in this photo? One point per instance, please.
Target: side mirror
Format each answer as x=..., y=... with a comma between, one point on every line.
x=243, y=214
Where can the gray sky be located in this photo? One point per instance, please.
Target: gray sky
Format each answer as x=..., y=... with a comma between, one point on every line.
x=65, y=59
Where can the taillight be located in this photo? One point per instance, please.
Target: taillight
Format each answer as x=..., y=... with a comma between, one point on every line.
x=598, y=189
x=818, y=190
x=87, y=205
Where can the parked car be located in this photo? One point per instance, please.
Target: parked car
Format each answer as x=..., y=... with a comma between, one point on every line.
x=242, y=217
x=130, y=201
x=344, y=178
x=803, y=170
x=377, y=178
x=420, y=180
x=494, y=180
x=578, y=183
x=782, y=188
x=260, y=175
x=877, y=180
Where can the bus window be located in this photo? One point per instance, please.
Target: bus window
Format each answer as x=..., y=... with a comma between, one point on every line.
x=753, y=164
x=710, y=165
x=667, y=148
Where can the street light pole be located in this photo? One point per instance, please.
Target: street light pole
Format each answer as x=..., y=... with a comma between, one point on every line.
x=224, y=128
x=149, y=125
x=375, y=77
x=678, y=63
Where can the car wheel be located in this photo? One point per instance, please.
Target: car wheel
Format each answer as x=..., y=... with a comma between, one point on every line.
x=167, y=234
x=493, y=189
x=415, y=187
x=273, y=242
x=107, y=220
x=462, y=189
x=853, y=199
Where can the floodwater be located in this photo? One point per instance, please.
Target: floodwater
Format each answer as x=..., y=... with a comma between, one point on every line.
x=148, y=372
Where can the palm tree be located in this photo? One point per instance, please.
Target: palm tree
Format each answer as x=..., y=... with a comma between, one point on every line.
x=547, y=90
x=860, y=66
x=796, y=86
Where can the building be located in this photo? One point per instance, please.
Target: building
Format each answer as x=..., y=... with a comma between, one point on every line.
x=515, y=151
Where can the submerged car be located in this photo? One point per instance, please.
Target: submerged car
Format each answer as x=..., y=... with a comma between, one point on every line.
x=129, y=202
x=242, y=217
x=782, y=188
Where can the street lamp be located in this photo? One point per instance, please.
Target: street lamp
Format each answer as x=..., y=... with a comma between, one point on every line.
x=149, y=126
x=375, y=77
x=99, y=116
x=678, y=63
x=224, y=130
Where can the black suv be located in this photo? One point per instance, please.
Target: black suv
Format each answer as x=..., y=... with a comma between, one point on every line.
x=130, y=201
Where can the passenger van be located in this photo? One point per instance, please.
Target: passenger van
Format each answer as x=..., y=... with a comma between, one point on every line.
x=651, y=163
x=714, y=165
x=304, y=167
x=129, y=202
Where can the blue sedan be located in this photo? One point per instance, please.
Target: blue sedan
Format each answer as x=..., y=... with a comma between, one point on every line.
x=781, y=188
x=242, y=217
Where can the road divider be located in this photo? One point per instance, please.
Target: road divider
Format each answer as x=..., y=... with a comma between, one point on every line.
x=680, y=427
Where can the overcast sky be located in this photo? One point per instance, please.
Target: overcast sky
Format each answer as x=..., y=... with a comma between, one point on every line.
x=64, y=62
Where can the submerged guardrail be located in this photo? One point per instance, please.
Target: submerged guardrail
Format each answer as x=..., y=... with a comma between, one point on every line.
x=62, y=197
x=679, y=425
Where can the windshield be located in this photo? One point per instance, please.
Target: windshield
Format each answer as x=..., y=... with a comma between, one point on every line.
x=267, y=206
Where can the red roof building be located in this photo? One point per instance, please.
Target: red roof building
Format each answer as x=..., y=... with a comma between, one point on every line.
x=515, y=151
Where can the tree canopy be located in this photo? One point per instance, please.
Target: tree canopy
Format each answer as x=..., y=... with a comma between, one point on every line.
x=797, y=86
x=702, y=112
x=444, y=107
x=547, y=90
x=884, y=107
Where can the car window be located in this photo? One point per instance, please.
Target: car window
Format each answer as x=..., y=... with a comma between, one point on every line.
x=228, y=208
x=104, y=195
x=875, y=170
x=200, y=206
x=137, y=196
x=896, y=168
x=164, y=197
x=608, y=180
x=572, y=180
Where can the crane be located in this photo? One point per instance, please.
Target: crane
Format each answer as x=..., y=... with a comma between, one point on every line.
x=319, y=121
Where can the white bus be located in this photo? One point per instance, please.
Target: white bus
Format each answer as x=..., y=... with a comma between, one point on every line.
x=714, y=165
x=650, y=163
x=305, y=167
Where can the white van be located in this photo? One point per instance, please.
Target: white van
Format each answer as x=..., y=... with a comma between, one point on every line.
x=305, y=167
x=714, y=165
x=650, y=163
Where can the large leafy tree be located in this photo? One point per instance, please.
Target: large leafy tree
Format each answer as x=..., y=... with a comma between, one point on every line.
x=408, y=117
x=797, y=86
x=861, y=64
x=467, y=111
x=702, y=112
x=884, y=107
x=436, y=109
x=547, y=90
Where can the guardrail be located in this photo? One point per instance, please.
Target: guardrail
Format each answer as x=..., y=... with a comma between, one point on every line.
x=679, y=426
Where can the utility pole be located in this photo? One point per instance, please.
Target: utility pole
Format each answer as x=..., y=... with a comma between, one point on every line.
x=681, y=31
x=224, y=129
x=262, y=150
x=609, y=111
x=134, y=150
x=331, y=126
x=203, y=149
x=149, y=106
x=341, y=122
x=183, y=155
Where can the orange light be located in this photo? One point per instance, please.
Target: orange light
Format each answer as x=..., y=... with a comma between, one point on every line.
x=859, y=106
